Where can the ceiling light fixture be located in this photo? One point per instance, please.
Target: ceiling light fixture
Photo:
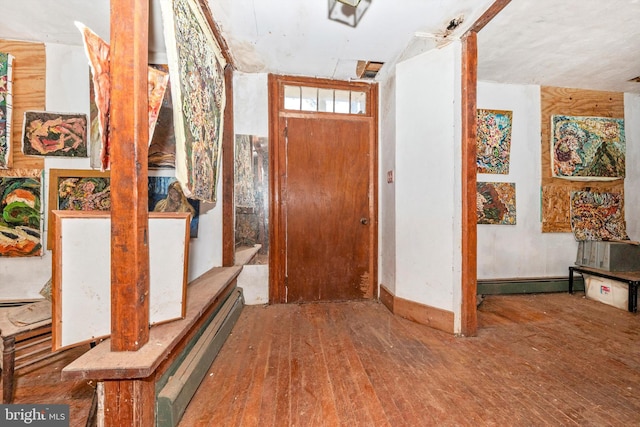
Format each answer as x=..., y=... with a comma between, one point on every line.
x=348, y=12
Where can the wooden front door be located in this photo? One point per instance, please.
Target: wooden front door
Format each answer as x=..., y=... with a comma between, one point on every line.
x=326, y=231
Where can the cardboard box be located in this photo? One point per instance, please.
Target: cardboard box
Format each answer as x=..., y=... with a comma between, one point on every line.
x=611, y=292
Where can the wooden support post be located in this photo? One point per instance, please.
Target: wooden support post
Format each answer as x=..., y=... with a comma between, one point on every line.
x=129, y=135
x=469, y=323
x=469, y=279
x=129, y=402
x=228, y=175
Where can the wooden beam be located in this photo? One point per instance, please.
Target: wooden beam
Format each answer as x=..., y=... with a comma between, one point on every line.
x=276, y=222
x=488, y=15
x=469, y=321
x=469, y=273
x=228, y=175
x=224, y=48
x=129, y=134
x=132, y=402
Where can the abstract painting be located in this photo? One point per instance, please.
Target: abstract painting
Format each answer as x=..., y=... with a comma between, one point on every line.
x=597, y=216
x=97, y=50
x=196, y=68
x=493, y=141
x=6, y=81
x=165, y=195
x=77, y=190
x=587, y=148
x=20, y=224
x=157, y=84
x=162, y=150
x=54, y=134
x=496, y=203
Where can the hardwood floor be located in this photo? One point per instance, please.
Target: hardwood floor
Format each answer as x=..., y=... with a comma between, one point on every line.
x=538, y=360
x=546, y=359
x=40, y=384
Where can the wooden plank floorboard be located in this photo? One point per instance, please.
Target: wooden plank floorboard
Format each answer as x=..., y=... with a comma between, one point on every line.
x=40, y=383
x=538, y=360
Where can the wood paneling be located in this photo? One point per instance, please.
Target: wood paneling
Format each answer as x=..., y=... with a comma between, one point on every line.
x=556, y=192
x=29, y=81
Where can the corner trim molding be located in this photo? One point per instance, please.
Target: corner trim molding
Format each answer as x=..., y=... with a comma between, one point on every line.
x=416, y=312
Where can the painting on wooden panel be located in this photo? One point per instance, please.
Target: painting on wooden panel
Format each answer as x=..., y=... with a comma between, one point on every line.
x=162, y=150
x=20, y=212
x=196, y=67
x=493, y=141
x=496, y=203
x=165, y=195
x=77, y=190
x=6, y=83
x=587, y=148
x=597, y=216
x=54, y=134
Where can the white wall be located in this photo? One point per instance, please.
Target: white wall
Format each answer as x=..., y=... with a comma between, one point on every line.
x=522, y=250
x=251, y=117
x=632, y=179
x=67, y=90
x=387, y=190
x=428, y=217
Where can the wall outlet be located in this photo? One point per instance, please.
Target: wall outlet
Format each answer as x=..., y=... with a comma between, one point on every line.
x=389, y=177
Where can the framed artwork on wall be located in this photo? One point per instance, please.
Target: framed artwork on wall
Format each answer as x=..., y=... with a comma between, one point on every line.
x=496, y=203
x=587, y=148
x=77, y=190
x=165, y=195
x=598, y=216
x=20, y=213
x=494, y=141
x=6, y=108
x=54, y=134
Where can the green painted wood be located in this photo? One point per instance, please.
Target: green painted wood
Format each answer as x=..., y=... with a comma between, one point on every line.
x=528, y=286
x=176, y=394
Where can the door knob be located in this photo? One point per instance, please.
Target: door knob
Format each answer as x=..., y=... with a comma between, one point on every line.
x=364, y=221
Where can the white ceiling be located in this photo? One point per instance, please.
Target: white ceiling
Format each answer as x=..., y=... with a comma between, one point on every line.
x=591, y=44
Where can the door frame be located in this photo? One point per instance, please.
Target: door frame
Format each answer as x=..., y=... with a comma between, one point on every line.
x=277, y=175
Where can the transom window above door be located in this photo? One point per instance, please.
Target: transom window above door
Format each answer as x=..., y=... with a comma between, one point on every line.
x=306, y=98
